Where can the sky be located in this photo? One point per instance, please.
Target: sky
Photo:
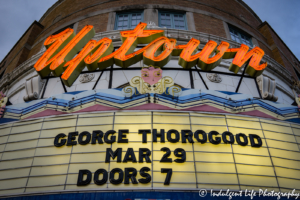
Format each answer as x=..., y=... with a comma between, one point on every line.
x=283, y=16
x=17, y=15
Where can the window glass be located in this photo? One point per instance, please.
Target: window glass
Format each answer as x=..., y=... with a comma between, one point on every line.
x=172, y=20
x=128, y=20
x=240, y=37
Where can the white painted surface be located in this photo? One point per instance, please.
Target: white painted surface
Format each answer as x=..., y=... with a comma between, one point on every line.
x=54, y=87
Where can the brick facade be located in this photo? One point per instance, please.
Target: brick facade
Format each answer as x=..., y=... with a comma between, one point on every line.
x=281, y=52
x=215, y=26
x=19, y=53
x=99, y=22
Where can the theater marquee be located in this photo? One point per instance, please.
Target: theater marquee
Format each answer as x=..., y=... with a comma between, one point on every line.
x=173, y=136
x=126, y=150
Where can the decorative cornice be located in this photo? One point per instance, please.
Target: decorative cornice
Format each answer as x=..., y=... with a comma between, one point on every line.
x=249, y=9
x=214, y=77
x=18, y=72
x=277, y=69
x=85, y=78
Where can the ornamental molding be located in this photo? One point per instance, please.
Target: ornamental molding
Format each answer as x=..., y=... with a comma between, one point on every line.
x=275, y=68
x=33, y=87
x=151, y=24
x=267, y=88
x=159, y=87
x=213, y=77
x=164, y=85
x=20, y=71
x=85, y=78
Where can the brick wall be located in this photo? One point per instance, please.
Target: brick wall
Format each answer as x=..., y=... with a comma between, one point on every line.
x=99, y=22
x=36, y=48
x=210, y=25
x=19, y=53
x=280, y=51
x=231, y=10
x=266, y=49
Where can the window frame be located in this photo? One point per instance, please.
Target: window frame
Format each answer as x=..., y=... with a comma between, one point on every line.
x=129, y=18
x=240, y=34
x=172, y=13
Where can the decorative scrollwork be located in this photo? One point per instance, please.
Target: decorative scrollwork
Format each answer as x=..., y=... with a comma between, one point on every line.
x=159, y=87
x=267, y=87
x=129, y=91
x=214, y=77
x=175, y=91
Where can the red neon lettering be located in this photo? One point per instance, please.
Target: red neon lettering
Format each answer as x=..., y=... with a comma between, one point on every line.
x=54, y=44
x=188, y=59
x=123, y=56
x=63, y=47
x=70, y=50
x=240, y=56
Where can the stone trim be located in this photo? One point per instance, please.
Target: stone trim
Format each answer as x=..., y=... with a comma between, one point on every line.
x=111, y=21
x=226, y=28
x=190, y=21
x=151, y=15
x=19, y=72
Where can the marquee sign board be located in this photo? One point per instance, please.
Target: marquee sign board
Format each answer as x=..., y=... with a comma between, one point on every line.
x=157, y=150
x=61, y=49
x=144, y=154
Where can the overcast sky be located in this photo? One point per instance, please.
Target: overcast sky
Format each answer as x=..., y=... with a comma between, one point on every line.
x=17, y=15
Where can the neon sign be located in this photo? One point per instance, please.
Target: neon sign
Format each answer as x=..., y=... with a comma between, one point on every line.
x=61, y=49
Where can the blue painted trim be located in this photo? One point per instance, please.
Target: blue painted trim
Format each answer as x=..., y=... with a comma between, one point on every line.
x=114, y=98
x=5, y=120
